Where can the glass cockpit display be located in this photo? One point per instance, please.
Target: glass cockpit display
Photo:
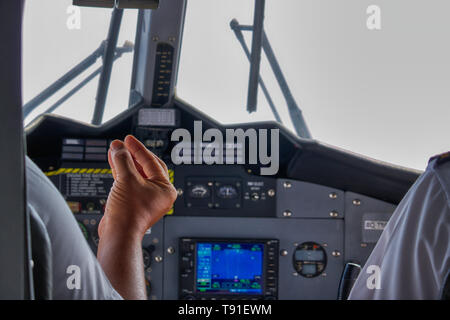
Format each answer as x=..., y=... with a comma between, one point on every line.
x=212, y=268
x=229, y=267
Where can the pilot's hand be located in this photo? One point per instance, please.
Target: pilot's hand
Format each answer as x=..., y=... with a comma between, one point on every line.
x=141, y=193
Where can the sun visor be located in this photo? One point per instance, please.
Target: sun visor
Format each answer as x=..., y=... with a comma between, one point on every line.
x=137, y=4
x=121, y=4
x=94, y=3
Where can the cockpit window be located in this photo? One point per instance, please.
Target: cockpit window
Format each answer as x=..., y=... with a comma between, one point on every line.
x=214, y=69
x=381, y=93
x=375, y=91
x=57, y=37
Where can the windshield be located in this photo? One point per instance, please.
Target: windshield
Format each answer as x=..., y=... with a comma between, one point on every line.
x=382, y=93
x=58, y=36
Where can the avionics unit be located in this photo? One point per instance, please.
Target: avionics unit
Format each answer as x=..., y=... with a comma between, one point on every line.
x=228, y=268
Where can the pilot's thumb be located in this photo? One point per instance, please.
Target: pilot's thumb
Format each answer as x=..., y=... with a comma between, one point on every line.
x=122, y=160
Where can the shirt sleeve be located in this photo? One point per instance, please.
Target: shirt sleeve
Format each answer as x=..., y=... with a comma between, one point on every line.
x=411, y=258
x=76, y=272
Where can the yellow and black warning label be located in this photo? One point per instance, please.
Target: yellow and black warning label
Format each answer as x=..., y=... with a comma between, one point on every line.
x=92, y=171
x=78, y=170
x=77, y=183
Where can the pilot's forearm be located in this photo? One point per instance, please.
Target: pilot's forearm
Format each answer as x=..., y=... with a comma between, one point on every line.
x=120, y=255
x=140, y=195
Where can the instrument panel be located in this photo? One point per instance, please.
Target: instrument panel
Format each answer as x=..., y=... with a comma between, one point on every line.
x=232, y=233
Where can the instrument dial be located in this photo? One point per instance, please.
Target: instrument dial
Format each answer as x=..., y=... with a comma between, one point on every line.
x=227, y=192
x=310, y=259
x=199, y=191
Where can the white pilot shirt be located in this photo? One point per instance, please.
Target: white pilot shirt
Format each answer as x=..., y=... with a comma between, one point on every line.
x=69, y=248
x=412, y=257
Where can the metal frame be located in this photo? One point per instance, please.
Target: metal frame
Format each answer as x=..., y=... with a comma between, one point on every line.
x=255, y=55
x=294, y=111
x=15, y=263
x=71, y=75
x=164, y=25
x=119, y=52
x=234, y=24
x=64, y=80
x=108, y=59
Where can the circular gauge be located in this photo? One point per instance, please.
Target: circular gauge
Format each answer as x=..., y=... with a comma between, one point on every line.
x=227, y=192
x=83, y=230
x=310, y=259
x=199, y=191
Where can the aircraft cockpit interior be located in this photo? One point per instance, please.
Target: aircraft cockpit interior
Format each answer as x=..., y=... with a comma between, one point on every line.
x=230, y=96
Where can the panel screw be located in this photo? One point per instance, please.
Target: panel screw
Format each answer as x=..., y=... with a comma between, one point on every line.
x=284, y=252
x=180, y=192
x=287, y=213
x=356, y=202
x=158, y=259
x=333, y=195
x=271, y=192
x=172, y=39
x=170, y=250
x=333, y=214
x=295, y=274
x=335, y=253
x=287, y=184
x=363, y=245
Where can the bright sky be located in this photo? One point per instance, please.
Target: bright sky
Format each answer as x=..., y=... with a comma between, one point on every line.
x=384, y=93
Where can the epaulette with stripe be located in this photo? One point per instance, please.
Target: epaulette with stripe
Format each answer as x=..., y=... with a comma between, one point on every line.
x=441, y=158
